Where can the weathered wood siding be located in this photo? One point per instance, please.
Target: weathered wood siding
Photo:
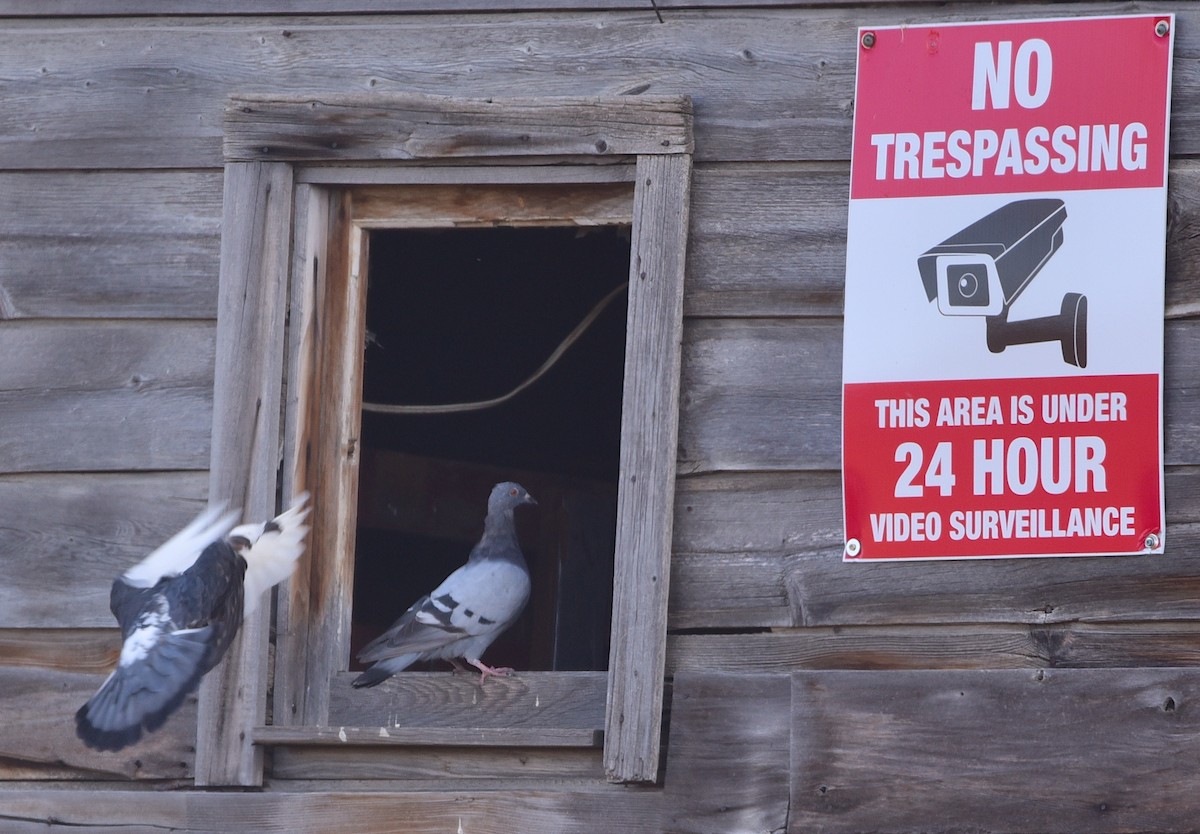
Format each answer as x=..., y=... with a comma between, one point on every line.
x=809, y=695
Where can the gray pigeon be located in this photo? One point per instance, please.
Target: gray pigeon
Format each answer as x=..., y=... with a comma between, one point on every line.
x=179, y=609
x=469, y=610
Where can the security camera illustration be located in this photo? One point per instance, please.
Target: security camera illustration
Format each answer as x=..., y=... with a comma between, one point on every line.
x=981, y=271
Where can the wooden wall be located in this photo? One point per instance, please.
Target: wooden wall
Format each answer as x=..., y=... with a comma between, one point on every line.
x=809, y=695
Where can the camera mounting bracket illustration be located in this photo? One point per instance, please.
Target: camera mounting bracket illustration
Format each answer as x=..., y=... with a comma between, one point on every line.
x=983, y=269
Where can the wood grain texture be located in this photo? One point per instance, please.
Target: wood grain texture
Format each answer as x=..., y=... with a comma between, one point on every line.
x=37, y=735
x=456, y=206
x=435, y=768
x=76, y=8
x=103, y=396
x=463, y=736
x=729, y=753
x=755, y=550
x=322, y=427
x=252, y=308
x=760, y=394
x=770, y=240
x=1000, y=751
x=63, y=649
x=1117, y=588
x=554, y=700
x=412, y=126
x=765, y=394
x=816, y=588
x=543, y=172
x=65, y=538
x=767, y=240
x=994, y=646
x=649, y=432
x=770, y=84
x=582, y=810
x=311, y=218
x=109, y=244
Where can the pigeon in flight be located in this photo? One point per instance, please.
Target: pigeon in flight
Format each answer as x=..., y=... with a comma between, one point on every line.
x=469, y=610
x=179, y=609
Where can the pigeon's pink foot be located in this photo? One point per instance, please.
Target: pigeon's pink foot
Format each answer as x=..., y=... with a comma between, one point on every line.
x=489, y=671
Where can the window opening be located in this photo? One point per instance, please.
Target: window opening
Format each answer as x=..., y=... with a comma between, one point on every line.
x=468, y=314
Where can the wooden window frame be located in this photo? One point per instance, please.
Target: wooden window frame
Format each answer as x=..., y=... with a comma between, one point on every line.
x=292, y=167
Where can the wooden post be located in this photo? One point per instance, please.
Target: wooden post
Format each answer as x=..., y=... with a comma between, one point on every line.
x=646, y=494
x=255, y=245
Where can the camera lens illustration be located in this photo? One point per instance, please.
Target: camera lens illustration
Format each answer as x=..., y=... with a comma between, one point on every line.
x=983, y=269
x=966, y=287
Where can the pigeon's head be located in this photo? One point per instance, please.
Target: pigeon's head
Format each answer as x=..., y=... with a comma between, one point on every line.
x=508, y=496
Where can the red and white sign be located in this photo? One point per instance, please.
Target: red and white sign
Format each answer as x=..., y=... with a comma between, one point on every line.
x=1002, y=371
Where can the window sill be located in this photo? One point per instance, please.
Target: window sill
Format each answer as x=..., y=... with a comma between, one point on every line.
x=428, y=737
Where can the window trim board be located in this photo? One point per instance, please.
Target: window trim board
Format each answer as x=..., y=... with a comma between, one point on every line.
x=382, y=133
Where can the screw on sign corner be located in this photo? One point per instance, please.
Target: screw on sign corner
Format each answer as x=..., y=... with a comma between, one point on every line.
x=867, y=40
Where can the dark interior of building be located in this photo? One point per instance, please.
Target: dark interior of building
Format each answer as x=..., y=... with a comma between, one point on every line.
x=464, y=315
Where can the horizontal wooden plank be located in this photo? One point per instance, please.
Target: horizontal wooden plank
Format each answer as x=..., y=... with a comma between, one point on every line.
x=65, y=649
x=391, y=736
x=772, y=512
x=770, y=240
x=756, y=550
x=766, y=394
x=553, y=173
x=741, y=513
x=760, y=394
x=85, y=8
x=37, y=733
x=825, y=591
x=857, y=647
x=96, y=396
x=109, y=244
x=1018, y=646
x=1007, y=752
x=582, y=810
x=410, y=126
x=562, y=700
x=819, y=589
x=65, y=537
x=770, y=84
x=451, y=206
x=767, y=240
x=728, y=755
x=436, y=768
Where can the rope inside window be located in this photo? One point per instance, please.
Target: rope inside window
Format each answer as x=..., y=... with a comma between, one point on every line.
x=479, y=405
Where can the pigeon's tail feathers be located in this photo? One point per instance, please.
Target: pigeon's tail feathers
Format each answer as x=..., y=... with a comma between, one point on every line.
x=273, y=551
x=384, y=669
x=180, y=552
x=142, y=695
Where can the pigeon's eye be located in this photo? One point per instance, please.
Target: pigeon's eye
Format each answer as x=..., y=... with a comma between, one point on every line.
x=513, y=492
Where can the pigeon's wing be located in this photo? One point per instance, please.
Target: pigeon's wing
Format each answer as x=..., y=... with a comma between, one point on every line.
x=159, y=668
x=180, y=552
x=477, y=599
x=173, y=634
x=273, y=549
x=378, y=648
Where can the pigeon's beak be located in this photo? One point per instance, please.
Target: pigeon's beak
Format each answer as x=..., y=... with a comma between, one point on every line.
x=529, y=499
